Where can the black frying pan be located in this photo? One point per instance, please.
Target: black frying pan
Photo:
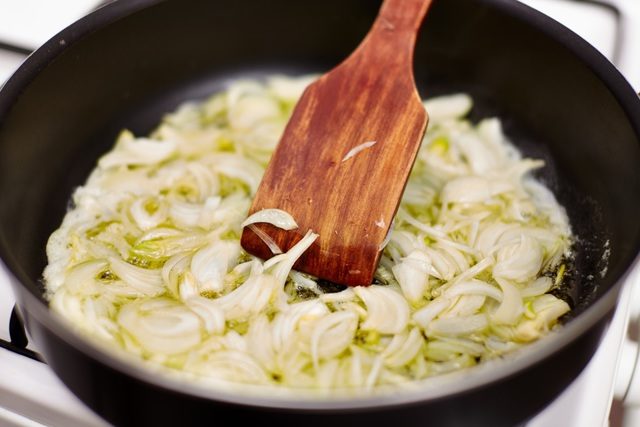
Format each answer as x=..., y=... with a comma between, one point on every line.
x=130, y=62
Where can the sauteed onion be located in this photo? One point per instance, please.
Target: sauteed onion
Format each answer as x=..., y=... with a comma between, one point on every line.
x=148, y=259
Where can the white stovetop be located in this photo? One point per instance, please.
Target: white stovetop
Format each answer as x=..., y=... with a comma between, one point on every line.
x=31, y=395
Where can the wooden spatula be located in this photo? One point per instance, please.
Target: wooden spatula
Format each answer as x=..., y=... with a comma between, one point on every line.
x=343, y=162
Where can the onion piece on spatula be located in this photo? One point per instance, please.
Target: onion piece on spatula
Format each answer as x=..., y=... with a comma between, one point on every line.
x=345, y=156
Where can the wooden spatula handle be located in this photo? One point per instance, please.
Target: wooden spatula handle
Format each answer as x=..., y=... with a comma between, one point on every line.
x=402, y=15
x=393, y=35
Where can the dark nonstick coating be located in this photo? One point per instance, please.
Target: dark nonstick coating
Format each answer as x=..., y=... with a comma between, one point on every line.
x=131, y=62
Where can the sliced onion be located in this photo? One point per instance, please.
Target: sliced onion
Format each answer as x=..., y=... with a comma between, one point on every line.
x=387, y=309
x=458, y=325
x=448, y=107
x=249, y=298
x=148, y=282
x=332, y=335
x=358, y=148
x=210, y=264
x=511, y=306
x=176, y=202
x=285, y=324
x=474, y=287
x=161, y=325
x=403, y=348
x=412, y=273
x=275, y=217
x=260, y=342
x=232, y=365
x=538, y=287
x=210, y=313
x=271, y=244
x=425, y=315
x=283, y=263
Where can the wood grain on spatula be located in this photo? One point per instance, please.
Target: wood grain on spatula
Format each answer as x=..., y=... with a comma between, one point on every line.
x=345, y=156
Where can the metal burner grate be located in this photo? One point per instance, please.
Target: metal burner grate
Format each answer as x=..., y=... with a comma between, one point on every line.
x=18, y=338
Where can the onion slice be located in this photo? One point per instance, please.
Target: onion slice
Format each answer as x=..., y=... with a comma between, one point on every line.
x=273, y=246
x=358, y=148
x=275, y=217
